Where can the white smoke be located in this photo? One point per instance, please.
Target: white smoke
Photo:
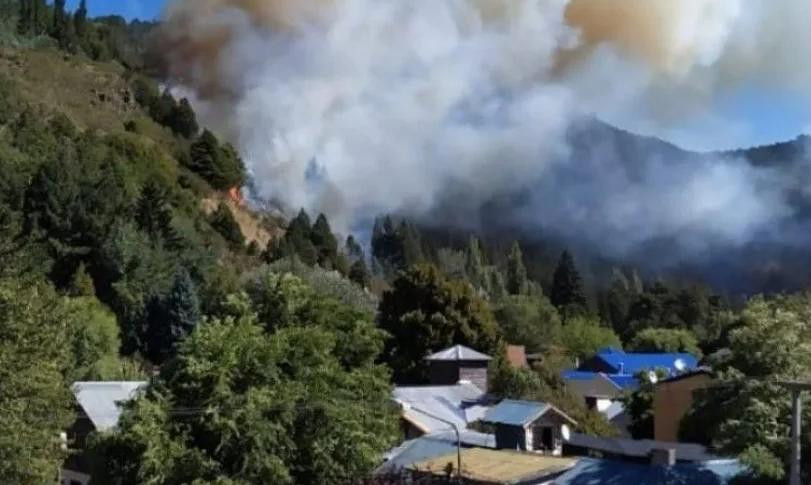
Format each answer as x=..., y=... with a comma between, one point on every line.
x=359, y=107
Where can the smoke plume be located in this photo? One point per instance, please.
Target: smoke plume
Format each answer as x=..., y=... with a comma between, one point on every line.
x=359, y=107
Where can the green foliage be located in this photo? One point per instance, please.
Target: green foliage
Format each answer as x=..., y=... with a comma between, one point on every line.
x=173, y=317
x=544, y=384
x=82, y=283
x=583, y=337
x=153, y=214
x=223, y=221
x=183, y=121
x=528, y=321
x=567, y=292
x=516, y=280
x=665, y=340
x=423, y=312
x=35, y=402
x=639, y=405
x=219, y=165
x=397, y=246
x=748, y=412
x=273, y=408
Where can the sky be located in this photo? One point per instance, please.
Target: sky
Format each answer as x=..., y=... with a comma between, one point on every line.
x=749, y=116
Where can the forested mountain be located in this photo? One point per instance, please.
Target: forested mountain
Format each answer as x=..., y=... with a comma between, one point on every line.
x=270, y=347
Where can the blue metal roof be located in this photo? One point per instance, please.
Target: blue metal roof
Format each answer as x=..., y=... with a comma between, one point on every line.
x=626, y=382
x=631, y=363
x=517, y=413
x=623, y=381
x=432, y=445
x=590, y=471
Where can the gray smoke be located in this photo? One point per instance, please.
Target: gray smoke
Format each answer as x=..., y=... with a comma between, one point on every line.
x=359, y=107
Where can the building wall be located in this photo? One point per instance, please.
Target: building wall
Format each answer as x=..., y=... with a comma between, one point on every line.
x=671, y=401
x=511, y=437
x=450, y=372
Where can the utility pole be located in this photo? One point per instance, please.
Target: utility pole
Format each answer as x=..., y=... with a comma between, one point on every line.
x=796, y=389
x=406, y=406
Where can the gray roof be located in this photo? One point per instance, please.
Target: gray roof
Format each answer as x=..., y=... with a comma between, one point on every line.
x=432, y=445
x=640, y=448
x=517, y=413
x=460, y=404
x=590, y=471
x=459, y=352
x=101, y=401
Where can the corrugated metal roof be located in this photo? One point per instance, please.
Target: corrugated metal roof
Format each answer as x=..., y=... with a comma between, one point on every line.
x=459, y=352
x=101, y=400
x=640, y=448
x=460, y=404
x=631, y=363
x=432, y=445
x=517, y=413
x=589, y=471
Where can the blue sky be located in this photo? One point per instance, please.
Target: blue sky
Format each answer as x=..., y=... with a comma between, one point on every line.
x=130, y=9
x=745, y=117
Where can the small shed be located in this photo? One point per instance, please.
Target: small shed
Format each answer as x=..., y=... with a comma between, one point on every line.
x=458, y=363
x=529, y=426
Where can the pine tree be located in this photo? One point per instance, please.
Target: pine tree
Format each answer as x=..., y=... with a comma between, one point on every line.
x=360, y=274
x=567, y=292
x=153, y=214
x=299, y=238
x=183, y=120
x=58, y=28
x=25, y=20
x=82, y=284
x=172, y=317
x=517, y=282
x=474, y=263
x=219, y=165
x=324, y=242
x=80, y=19
x=354, y=249
x=223, y=222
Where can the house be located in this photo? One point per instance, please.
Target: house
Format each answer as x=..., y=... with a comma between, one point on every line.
x=482, y=466
x=529, y=426
x=603, y=379
x=458, y=363
x=616, y=362
x=589, y=471
x=98, y=409
x=672, y=399
x=429, y=409
x=638, y=451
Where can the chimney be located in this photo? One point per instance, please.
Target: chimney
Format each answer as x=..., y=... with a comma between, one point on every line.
x=663, y=456
x=622, y=368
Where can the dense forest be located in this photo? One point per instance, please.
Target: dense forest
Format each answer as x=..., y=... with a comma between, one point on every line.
x=270, y=346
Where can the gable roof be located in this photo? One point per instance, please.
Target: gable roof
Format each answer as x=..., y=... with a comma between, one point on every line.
x=590, y=471
x=640, y=448
x=101, y=401
x=630, y=362
x=519, y=413
x=459, y=352
x=460, y=404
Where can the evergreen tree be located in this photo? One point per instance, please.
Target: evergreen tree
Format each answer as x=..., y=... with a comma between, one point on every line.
x=354, y=249
x=59, y=26
x=183, y=120
x=359, y=274
x=25, y=17
x=517, y=283
x=82, y=284
x=474, y=264
x=172, y=317
x=325, y=243
x=567, y=292
x=219, y=165
x=153, y=213
x=223, y=221
x=80, y=19
x=298, y=239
